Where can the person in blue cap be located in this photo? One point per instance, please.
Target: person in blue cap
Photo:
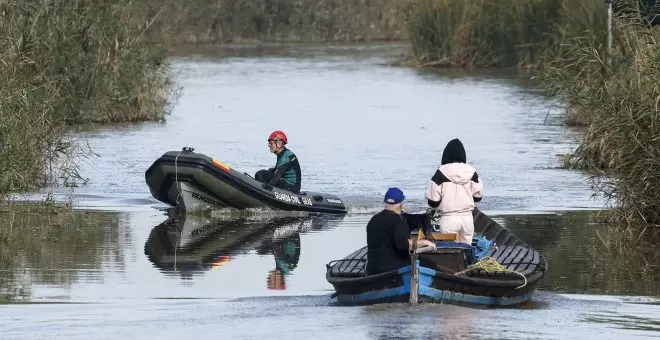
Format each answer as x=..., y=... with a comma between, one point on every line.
x=388, y=235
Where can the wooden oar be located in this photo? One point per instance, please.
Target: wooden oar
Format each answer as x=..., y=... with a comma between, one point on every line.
x=414, y=274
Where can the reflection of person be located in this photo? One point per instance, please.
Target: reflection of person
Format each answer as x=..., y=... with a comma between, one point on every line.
x=286, y=173
x=453, y=190
x=388, y=235
x=287, y=254
x=276, y=280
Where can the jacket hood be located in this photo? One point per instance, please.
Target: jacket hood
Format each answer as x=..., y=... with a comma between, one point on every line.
x=459, y=173
x=454, y=152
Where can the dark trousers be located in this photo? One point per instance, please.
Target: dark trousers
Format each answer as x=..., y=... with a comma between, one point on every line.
x=265, y=176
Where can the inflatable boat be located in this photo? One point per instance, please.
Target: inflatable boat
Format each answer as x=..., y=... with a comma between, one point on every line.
x=195, y=182
x=498, y=269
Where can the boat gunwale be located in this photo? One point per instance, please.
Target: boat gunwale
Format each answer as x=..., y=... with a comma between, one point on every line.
x=534, y=277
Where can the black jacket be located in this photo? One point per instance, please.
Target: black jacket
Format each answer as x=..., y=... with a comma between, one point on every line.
x=387, y=239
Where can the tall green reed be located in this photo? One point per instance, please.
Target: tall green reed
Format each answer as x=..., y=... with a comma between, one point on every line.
x=72, y=62
x=487, y=33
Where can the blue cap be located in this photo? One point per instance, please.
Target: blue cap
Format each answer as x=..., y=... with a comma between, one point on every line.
x=394, y=196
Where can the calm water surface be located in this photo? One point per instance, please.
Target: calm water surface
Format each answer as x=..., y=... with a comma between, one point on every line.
x=356, y=125
x=119, y=267
x=142, y=275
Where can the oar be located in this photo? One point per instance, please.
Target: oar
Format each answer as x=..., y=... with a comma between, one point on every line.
x=414, y=274
x=414, y=270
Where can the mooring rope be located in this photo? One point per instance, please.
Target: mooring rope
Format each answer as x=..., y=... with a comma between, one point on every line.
x=490, y=264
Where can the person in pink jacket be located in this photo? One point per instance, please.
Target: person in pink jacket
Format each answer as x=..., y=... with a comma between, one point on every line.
x=452, y=192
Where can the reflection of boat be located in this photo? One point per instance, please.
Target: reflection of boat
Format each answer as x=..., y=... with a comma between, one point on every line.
x=188, y=244
x=454, y=273
x=194, y=182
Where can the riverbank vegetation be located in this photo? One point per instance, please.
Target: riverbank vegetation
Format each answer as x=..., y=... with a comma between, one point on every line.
x=619, y=106
x=487, y=33
x=613, y=95
x=72, y=62
x=241, y=21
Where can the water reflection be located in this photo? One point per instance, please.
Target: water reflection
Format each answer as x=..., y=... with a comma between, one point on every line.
x=189, y=245
x=286, y=251
x=57, y=249
x=626, y=321
x=462, y=325
x=586, y=255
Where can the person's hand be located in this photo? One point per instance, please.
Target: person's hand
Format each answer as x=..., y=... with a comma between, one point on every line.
x=426, y=243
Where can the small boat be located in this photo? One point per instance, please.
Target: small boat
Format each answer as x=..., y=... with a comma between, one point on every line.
x=195, y=182
x=498, y=269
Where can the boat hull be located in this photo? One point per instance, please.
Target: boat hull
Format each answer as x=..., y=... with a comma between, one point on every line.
x=432, y=290
x=195, y=182
x=441, y=279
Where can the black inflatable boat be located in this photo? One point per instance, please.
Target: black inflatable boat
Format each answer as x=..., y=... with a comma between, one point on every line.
x=195, y=182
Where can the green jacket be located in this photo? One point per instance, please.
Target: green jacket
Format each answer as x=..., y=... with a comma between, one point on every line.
x=288, y=169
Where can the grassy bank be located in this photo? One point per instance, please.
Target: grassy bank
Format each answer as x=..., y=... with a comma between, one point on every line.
x=563, y=44
x=238, y=21
x=64, y=63
x=619, y=105
x=487, y=33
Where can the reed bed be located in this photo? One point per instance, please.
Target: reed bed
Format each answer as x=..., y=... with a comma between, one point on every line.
x=619, y=105
x=72, y=62
x=238, y=21
x=488, y=33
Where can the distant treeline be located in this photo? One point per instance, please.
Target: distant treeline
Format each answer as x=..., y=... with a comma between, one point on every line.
x=238, y=21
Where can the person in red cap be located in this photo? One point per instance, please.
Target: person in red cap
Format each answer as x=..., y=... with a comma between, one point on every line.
x=286, y=173
x=388, y=235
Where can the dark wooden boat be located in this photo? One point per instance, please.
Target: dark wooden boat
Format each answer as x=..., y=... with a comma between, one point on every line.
x=454, y=273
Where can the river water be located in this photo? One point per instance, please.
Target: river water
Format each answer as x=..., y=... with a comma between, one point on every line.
x=117, y=267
